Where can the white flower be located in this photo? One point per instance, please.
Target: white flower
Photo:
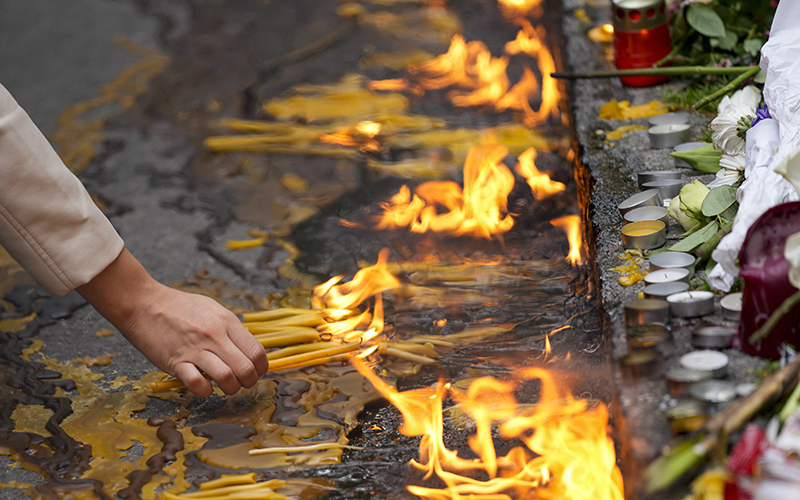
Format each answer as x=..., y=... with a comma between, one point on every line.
x=725, y=129
x=792, y=254
x=731, y=172
x=749, y=97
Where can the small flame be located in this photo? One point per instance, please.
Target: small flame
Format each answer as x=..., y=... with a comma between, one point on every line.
x=478, y=210
x=541, y=184
x=342, y=138
x=567, y=454
x=369, y=129
x=392, y=85
x=518, y=8
x=571, y=224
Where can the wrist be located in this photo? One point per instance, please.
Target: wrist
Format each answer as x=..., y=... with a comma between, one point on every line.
x=118, y=292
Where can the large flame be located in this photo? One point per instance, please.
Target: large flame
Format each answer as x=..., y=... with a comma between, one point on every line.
x=341, y=299
x=571, y=224
x=471, y=66
x=540, y=183
x=478, y=210
x=567, y=453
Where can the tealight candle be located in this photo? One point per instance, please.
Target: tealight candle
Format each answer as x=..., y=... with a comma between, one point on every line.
x=656, y=175
x=671, y=260
x=713, y=362
x=668, y=118
x=668, y=135
x=731, y=305
x=713, y=391
x=667, y=188
x=679, y=379
x=686, y=146
x=649, y=198
x=667, y=276
x=691, y=304
x=688, y=416
x=664, y=290
x=648, y=213
x=645, y=234
x=638, y=365
x=714, y=337
x=646, y=312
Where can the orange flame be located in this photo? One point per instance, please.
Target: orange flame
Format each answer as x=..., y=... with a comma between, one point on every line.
x=571, y=224
x=541, y=184
x=471, y=66
x=517, y=8
x=342, y=138
x=479, y=210
x=567, y=454
x=530, y=41
x=337, y=299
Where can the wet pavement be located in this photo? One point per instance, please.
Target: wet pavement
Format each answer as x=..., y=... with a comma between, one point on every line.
x=151, y=79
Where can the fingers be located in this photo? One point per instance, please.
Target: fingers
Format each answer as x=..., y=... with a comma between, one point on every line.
x=193, y=379
x=250, y=347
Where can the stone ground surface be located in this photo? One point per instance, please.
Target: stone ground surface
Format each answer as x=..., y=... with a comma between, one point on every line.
x=55, y=53
x=611, y=170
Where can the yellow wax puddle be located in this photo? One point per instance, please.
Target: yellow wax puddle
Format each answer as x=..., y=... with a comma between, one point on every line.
x=632, y=272
x=622, y=131
x=622, y=110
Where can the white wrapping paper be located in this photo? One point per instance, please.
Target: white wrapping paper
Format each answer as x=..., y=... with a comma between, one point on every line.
x=773, y=146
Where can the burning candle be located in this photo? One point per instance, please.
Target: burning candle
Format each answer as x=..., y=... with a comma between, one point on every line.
x=667, y=276
x=714, y=362
x=691, y=304
x=668, y=135
x=645, y=235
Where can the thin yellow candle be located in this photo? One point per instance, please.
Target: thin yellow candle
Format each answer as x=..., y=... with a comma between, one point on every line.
x=297, y=349
x=283, y=339
x=314, y=362
x=273, y=314
x=229, y=480
x=301, y=358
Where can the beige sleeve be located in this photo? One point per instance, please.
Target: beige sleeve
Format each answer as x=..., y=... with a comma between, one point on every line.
x=48, y=222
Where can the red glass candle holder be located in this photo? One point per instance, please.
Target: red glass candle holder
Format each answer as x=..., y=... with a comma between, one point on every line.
x=641, y=38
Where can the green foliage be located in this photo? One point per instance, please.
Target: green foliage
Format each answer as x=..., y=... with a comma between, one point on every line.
x=698, y=88
x=718, y=200
x=705, y=158
x=719, y=33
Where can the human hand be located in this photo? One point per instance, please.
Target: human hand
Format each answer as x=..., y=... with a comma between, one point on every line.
x=181, y=333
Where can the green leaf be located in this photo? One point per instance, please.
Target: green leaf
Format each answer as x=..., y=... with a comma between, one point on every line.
x=729, y=214
x=703, y=18
x=718, y=200
x=705, y=158
x=760, y=77
x=690, y=243
x=727, y=42
x=710, y=266
x=753, y=45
